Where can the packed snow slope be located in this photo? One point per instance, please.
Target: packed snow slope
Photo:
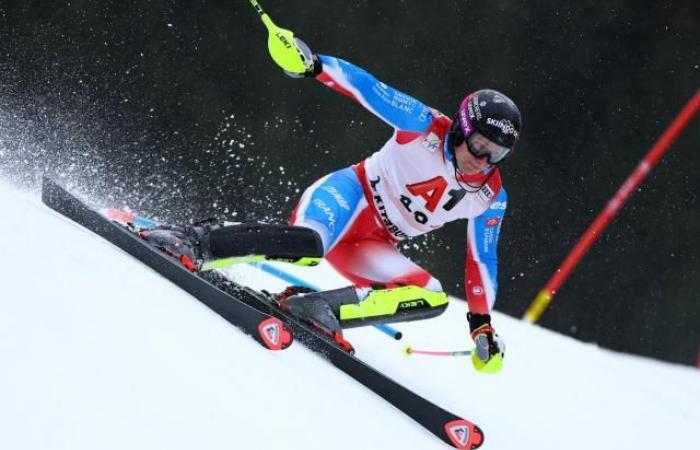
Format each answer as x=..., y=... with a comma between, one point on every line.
x=99, y=352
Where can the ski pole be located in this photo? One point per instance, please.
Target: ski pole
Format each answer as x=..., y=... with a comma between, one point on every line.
x=412, y=351
x=540, y=303
x=289, y=278
x=280, y=44
x=389, y=331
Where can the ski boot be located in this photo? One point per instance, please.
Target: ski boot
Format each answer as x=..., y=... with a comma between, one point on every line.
x=188, y=244
x=210, y=240
x=314, y=308
x=344, y=308
x=391, y=304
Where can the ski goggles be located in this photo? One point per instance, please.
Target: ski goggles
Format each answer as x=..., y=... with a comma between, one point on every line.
x=481, y=147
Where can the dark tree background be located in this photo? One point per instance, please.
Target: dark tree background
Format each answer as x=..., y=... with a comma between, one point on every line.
x=174, y=108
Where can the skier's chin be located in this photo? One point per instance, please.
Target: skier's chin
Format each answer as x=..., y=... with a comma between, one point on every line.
x=471, y=167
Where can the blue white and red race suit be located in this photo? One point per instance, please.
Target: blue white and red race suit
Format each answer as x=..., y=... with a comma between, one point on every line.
x=407, y=188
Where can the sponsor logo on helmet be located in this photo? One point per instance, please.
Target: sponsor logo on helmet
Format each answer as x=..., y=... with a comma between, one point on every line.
x=477, y=290
x=506, y=126
x=499, y=205
x=475, y=108
x=464, y=122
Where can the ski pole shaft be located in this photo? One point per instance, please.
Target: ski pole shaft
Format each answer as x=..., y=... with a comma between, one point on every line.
x=257, y=7
x=413, y=351
x=389, y=331
x=265, y=17
x=544, y=298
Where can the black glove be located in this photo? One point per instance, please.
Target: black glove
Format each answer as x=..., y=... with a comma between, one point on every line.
x=488, y=353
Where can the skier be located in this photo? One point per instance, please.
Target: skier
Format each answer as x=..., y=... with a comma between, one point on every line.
x=432, y=170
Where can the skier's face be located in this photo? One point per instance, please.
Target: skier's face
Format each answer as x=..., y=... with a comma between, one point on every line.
x=467, y=163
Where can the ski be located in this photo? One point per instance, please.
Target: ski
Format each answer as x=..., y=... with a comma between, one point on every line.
x=248, y=309
x=267, y=330
x=453, y=430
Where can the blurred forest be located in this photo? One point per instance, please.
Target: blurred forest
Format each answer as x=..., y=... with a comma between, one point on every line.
x=174, y=108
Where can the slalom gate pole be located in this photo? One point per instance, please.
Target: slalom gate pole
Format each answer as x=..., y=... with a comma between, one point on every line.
x=412, y=351
x=288, y=277
x=543, y=299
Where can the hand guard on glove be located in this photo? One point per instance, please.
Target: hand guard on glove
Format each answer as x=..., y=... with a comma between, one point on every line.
x=311, y=61
x=488, y=353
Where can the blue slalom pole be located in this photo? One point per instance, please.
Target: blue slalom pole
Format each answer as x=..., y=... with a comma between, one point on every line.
x=289, y=278
x=389, y=331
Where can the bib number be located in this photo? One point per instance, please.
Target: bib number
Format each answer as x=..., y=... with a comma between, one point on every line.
x=431, y=191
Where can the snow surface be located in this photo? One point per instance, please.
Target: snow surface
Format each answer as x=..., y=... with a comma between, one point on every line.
x=99, y=352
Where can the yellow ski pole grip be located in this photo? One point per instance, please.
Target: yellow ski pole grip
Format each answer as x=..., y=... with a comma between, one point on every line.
x=280, y=44
x=271, y=27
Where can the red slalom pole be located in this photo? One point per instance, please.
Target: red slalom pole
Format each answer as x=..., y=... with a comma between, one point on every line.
x=662, y=145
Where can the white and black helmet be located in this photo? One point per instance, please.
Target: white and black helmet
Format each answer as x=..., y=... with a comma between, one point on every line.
x=489, y=122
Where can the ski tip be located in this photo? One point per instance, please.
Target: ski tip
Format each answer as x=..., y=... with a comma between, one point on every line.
x=464, y=435
x=479, y=440
x=274, y=334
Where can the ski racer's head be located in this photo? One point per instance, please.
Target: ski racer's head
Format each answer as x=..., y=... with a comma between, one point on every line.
x=484, y=132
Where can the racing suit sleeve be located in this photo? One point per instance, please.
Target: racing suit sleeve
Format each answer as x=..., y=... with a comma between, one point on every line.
x=401, y=111
x=481, y=271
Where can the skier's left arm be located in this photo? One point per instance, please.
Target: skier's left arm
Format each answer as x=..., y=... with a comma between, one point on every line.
x=481, y=283
x=401, y=111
